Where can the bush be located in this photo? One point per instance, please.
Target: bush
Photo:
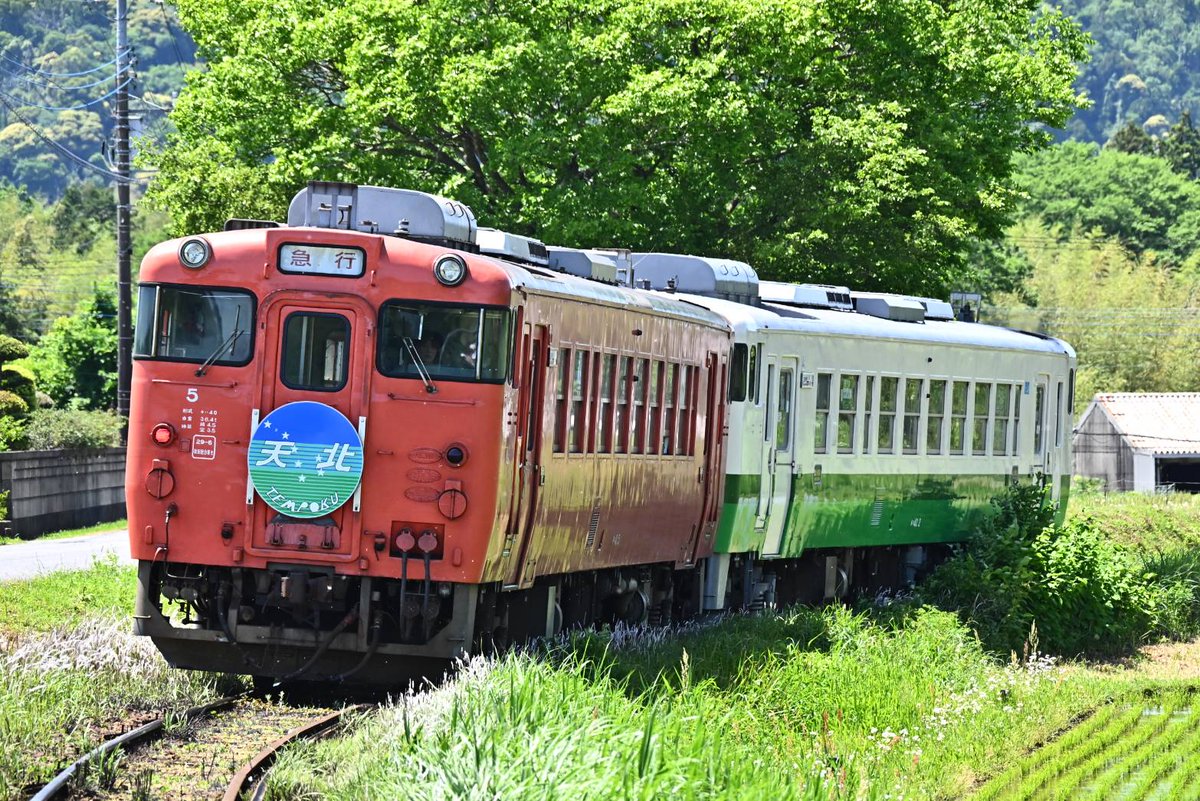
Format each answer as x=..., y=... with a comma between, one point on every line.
x=11, y=404
x=50, y=429
x=1086, y=594
x=12, y=349
x=20, y=384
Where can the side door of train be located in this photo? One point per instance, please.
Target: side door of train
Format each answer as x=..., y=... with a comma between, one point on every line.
x=778, y=460
x=1048, y=429
x=317, y=358
x=532, y=365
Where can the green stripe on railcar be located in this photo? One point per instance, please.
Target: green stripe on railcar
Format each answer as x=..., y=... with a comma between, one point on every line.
x=844, y=511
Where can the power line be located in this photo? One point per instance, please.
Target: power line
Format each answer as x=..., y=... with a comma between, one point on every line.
x=44, y=73
x=79, y=106
x=4, y=100
x=162, y=6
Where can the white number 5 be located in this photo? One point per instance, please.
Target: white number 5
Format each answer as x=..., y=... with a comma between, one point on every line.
x=192, y=395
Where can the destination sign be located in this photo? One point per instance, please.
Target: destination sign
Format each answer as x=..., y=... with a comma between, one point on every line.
x=322, y=260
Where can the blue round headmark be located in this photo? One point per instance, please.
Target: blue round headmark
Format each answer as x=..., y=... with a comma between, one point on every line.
x=305, y=459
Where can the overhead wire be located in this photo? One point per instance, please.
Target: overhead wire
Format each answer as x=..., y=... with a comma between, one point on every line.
x=5, y=101
x=78, y=106
x=47, y=74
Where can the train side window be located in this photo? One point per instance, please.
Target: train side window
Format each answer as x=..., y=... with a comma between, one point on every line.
x=315, y=351
x=821, y=432
x=593, y=396
x=641, y=385
x=783, y=425
x=561, y=410
x=694, y=407
x=685, y=410
x=1018, y=390
x=1039, y=410
x=958, y=418
x=755, y=358
x=1071, y=392
x=576, y=423
x=605, y=423
x=912, y=413
x=979, y=421
x=868, y=401
x=1001, y=422
x=847, y=413
x=888, y=389
x=624, y=401
x=193, y=324
x=654, y=425
x=1058, y=415
x=670, y=393
x=738, y=372
x=937, y=413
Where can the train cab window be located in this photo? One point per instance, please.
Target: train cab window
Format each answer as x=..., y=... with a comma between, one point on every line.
x=1001, y=422
x=739, y=372
x=912, y=413
x=194, y=324
x=868, y=402
x=888, y=390
x=821, y=432
x=447, y=342
x=958, y=418
x=577, y=421
x=979, y=422
x=847, y=413
x=937, y=413
x=561, y=409
x=316, y=351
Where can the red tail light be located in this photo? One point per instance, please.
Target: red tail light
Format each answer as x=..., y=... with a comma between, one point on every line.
x=163, y=434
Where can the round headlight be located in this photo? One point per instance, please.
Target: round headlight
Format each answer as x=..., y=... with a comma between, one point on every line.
x=195, y=253
x=450, y=270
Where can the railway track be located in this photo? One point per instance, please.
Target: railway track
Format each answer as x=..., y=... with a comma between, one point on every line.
x=218, y=751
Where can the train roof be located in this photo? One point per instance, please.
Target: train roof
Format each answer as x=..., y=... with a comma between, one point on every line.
x=779, y=317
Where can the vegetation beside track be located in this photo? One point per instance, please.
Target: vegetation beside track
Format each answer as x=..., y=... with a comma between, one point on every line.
x=68, y=533
x=72, y=674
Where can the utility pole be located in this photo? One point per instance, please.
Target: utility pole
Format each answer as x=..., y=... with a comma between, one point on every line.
x=124, y=249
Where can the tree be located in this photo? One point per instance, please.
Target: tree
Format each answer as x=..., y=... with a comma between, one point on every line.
x=1181, y=147
x=837, y=140
x=1132, y=138
x=76, y=361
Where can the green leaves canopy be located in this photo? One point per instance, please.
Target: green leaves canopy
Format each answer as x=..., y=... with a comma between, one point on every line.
x=845, y=141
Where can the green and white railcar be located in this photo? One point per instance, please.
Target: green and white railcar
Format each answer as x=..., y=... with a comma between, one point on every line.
x=865, y=430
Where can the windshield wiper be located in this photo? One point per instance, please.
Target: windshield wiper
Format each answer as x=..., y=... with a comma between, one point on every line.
x=226, y=345
x=420, y=365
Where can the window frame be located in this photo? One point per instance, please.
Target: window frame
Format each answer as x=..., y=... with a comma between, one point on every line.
x=283, y=350
x=513, y=343
x=251, y=329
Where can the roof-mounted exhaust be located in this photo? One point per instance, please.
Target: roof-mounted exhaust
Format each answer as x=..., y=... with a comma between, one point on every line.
x=816, y=296
x=698, y=275
x=512, y=247
x=605, y=266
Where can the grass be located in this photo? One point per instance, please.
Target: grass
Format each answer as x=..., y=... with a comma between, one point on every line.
x=66, y=598
x=71, y=671
x=68, y=533
x=1145, y=522
x=808, y=705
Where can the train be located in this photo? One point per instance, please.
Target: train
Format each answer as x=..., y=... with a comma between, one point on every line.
x=380, y=436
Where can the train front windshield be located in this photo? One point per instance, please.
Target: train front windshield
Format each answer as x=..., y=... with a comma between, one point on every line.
x=194, y=324
x=449, y=342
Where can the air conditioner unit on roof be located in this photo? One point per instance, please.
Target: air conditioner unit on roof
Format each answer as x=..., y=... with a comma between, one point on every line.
x=381, y=210
x=820, y=296
x=698, y=275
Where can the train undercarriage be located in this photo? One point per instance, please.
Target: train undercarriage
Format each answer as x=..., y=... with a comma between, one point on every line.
x=308, y=623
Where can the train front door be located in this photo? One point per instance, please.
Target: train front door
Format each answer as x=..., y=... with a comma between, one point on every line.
x=527, y=453
x=779, y=449
x=306, y=454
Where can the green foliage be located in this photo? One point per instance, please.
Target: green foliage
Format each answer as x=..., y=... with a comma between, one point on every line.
x=52, y=429
x=836, y=141
x=11, y=404
x=1085, y=593
x=11, y=349
x=76, y=361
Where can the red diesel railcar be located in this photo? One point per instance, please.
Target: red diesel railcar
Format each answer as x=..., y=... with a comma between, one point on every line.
x=357, y=444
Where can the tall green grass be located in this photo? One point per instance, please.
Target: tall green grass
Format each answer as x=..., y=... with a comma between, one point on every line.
x=809, y=705
x=66, y=598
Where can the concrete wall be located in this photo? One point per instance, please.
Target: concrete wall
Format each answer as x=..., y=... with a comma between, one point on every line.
x=1100, y=452
x=55, y=490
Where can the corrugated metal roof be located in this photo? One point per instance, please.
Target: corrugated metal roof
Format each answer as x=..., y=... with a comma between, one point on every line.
x=1157, y=422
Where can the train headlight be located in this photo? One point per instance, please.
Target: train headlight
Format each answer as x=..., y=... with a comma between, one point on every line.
x=195, y=253
x=450, y=270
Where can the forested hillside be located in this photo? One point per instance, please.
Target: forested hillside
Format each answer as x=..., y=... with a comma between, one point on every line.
x=57, y=81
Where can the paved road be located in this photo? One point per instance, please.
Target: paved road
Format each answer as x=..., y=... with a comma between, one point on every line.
x=28, y=559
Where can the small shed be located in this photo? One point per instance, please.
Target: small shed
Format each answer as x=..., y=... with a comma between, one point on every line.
x=1144, y=442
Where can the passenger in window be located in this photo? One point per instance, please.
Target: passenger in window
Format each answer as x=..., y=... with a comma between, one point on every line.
x=195, y=334
x=429, y=347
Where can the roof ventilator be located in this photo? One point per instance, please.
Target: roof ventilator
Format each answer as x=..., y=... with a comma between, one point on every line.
x=889, y=307
x=936, y=309
x=605, y=266
x=512, y=247
x=376, y=209
x=698, y=275
x=817, y=296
